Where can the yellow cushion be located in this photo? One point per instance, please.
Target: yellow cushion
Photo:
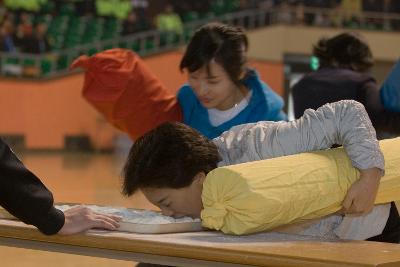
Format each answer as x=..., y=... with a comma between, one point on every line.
x=261, y=195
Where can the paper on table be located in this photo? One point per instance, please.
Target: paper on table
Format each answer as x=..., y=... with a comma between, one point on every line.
x=138, y=221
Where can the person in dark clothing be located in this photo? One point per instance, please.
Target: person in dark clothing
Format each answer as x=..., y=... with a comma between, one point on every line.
x=372, y=5
x=345, y=60
x=134, y=23
x=7, y=37
x=38, y=43
x=23, y=195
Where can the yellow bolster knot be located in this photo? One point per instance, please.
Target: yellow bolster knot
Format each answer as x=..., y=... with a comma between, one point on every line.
x=213, y=216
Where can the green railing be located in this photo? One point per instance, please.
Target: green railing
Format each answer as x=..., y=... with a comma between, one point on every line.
x=55, y=64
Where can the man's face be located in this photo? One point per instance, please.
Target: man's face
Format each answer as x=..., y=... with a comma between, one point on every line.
x=180, y=202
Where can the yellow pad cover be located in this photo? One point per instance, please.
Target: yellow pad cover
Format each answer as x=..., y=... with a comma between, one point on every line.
x=261, y=195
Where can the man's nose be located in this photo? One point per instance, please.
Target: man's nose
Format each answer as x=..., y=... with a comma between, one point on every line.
x=167, y=212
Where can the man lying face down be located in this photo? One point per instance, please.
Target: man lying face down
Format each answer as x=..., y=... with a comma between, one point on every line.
x=170, y=163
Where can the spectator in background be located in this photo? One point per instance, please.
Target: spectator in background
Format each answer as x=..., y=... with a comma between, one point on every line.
x=268, y=6
x=384, y=7
x=24, y=30
x=345, y=61
x=387, y=8
x=285, y=14
x=200, y=6
x=26, y=24
x=299, y=13
x=3, y=11
x=335, y=16
x=85, y=7
x=140, y=4
x=317, y=17
x=169, y=21
x=352, y=12
x=134, y=23
x=395, y=8
x=130, y=25
x=39, y=42
x=7, y=38
x=372, y=6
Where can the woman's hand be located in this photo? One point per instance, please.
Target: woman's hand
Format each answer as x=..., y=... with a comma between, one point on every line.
x=80, y=218
x=361, y=195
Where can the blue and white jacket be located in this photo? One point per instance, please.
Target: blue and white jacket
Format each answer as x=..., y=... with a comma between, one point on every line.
x=264, y=105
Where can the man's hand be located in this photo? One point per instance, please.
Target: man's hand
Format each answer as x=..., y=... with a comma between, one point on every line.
x=79, y=219
x=361, y=195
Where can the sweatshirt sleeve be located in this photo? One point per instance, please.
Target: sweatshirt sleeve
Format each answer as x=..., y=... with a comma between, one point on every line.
x=341, y=123
x=390, y=90
x=24, y=195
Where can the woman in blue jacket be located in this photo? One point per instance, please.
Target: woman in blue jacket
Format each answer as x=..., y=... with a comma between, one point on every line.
x=222, y=91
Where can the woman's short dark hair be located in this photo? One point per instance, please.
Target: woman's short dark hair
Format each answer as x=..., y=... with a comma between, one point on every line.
x=346, y=50
x=169, y=156
x=226, y=44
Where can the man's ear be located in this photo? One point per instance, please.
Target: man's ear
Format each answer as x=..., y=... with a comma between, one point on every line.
x=199, y=178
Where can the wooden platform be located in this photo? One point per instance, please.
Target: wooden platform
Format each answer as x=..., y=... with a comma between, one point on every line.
x=206, y=248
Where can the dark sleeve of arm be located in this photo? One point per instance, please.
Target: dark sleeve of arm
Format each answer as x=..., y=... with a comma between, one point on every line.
x=382, y=119
x=24, y=195
x=302, y=97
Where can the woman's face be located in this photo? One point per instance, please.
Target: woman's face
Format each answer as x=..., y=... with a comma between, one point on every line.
x=214, y=88
x=180, y=202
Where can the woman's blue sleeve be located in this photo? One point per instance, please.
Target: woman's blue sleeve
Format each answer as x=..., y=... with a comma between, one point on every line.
x=390, y=90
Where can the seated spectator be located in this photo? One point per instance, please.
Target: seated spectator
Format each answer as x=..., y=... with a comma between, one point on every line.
x=395, y=8
x=352, y=11
x=345, y=61
x=285, y=14
x=372, y=6
x=143, y=4
x=313, y=17
x=24, y=30
x=39, y=42
x=169, y=21
x=84, y=7
x=335, y=16
x=7, y=38
x=134, y=23
x=3, y=12
x=388, y=7
x=267, y=6
x=26, y=24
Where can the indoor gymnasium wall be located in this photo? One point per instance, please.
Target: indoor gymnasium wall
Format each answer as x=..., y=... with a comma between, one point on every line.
x=45, y=112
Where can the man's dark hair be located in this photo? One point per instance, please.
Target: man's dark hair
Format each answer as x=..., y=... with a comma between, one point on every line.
x=169, y=156
x=346, y=50
x=226, y=44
